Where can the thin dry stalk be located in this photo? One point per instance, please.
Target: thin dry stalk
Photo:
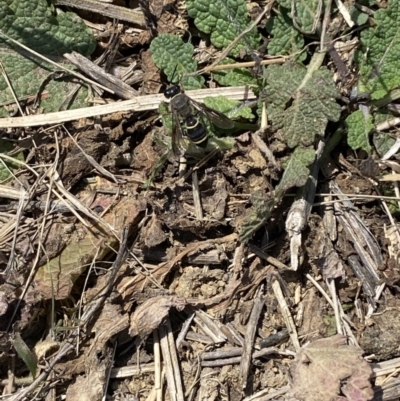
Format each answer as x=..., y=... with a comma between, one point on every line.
x=10, y=87
x=286, y=314
x=169, y=371
x=330, y=282
x=209, y=327
x=196, y=196
x=140, y=103
x=108, y=10
x=184, y=329
x=249, y=337
x=175, y=363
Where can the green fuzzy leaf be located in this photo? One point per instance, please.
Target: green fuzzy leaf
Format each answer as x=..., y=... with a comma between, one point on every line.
x=7, y=166
x=300, y=109
x=305, y=12
x=228, y=107
x=25, y=354
x=224, y=20
x=383, y=142
x=297, y=170
x=256, y=216
x=35, y=25
x=358, y=16
x=234, y=77
x=175, y=58
x=359, y=128
x=286, y=39
x=379, y=55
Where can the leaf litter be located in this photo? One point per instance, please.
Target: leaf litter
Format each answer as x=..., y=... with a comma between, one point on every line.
x=264, y=266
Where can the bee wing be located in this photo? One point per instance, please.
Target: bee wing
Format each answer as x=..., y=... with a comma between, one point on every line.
x=217, y=118
x=177, y=138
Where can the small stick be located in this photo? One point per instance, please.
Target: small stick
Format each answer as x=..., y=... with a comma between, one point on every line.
x=157, y=360
x=184, y=330
x=169, y=371
x=196, y=196
x=175, y=363
x=286, y=314
x=249, y=337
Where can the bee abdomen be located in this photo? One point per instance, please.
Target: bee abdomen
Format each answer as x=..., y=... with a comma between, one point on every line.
x=196, y=131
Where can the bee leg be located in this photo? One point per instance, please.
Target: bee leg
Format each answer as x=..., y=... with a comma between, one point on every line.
x=182, y=166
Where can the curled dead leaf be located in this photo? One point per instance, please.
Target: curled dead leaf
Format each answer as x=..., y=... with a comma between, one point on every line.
x=149, y=315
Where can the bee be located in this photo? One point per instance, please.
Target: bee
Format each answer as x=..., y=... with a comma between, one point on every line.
x=190, y=111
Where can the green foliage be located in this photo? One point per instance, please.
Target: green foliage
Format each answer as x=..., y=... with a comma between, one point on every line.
x=224, y=20
x=297, y=170
x=358, y=16
x=25, y=354
x=305, y=12
x=383, y=142
x=36, y=25
x=286, y=39
x=236, y=76
x=7, y=166
x=359, y=128
x=176, y=59
x=314, y=102
x=379, y=55
x=295, y=175
x=228, y=107
x=256, y=216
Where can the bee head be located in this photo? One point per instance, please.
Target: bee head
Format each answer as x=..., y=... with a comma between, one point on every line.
x=172, y=91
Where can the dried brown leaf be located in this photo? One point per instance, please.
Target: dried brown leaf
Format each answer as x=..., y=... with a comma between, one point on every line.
x=57, y=277
x=151, y=313
x=330, y=370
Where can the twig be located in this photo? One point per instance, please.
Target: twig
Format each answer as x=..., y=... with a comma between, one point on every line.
x=286, y=314
x=249, y=337
x=330, y=282
x=209, y=327
x=140, y=103
x=108, y=10
x=175, y=363
x=196, y=196
x=184, y=329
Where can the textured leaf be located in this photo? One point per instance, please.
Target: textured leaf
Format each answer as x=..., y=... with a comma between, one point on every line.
x=359, y=126
x=329, y=369
x=224, y=20
x=7, y=166
x=305, y=12
x=36, y=25
x=256, y=216
x=310, y=104
x=379, y=55
x=175, y=58
x=228, y=107
x=358, y=16
x=297, y=170
x=58, y=275
x=383, y=142
x=286, y=39
x=234, y=77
